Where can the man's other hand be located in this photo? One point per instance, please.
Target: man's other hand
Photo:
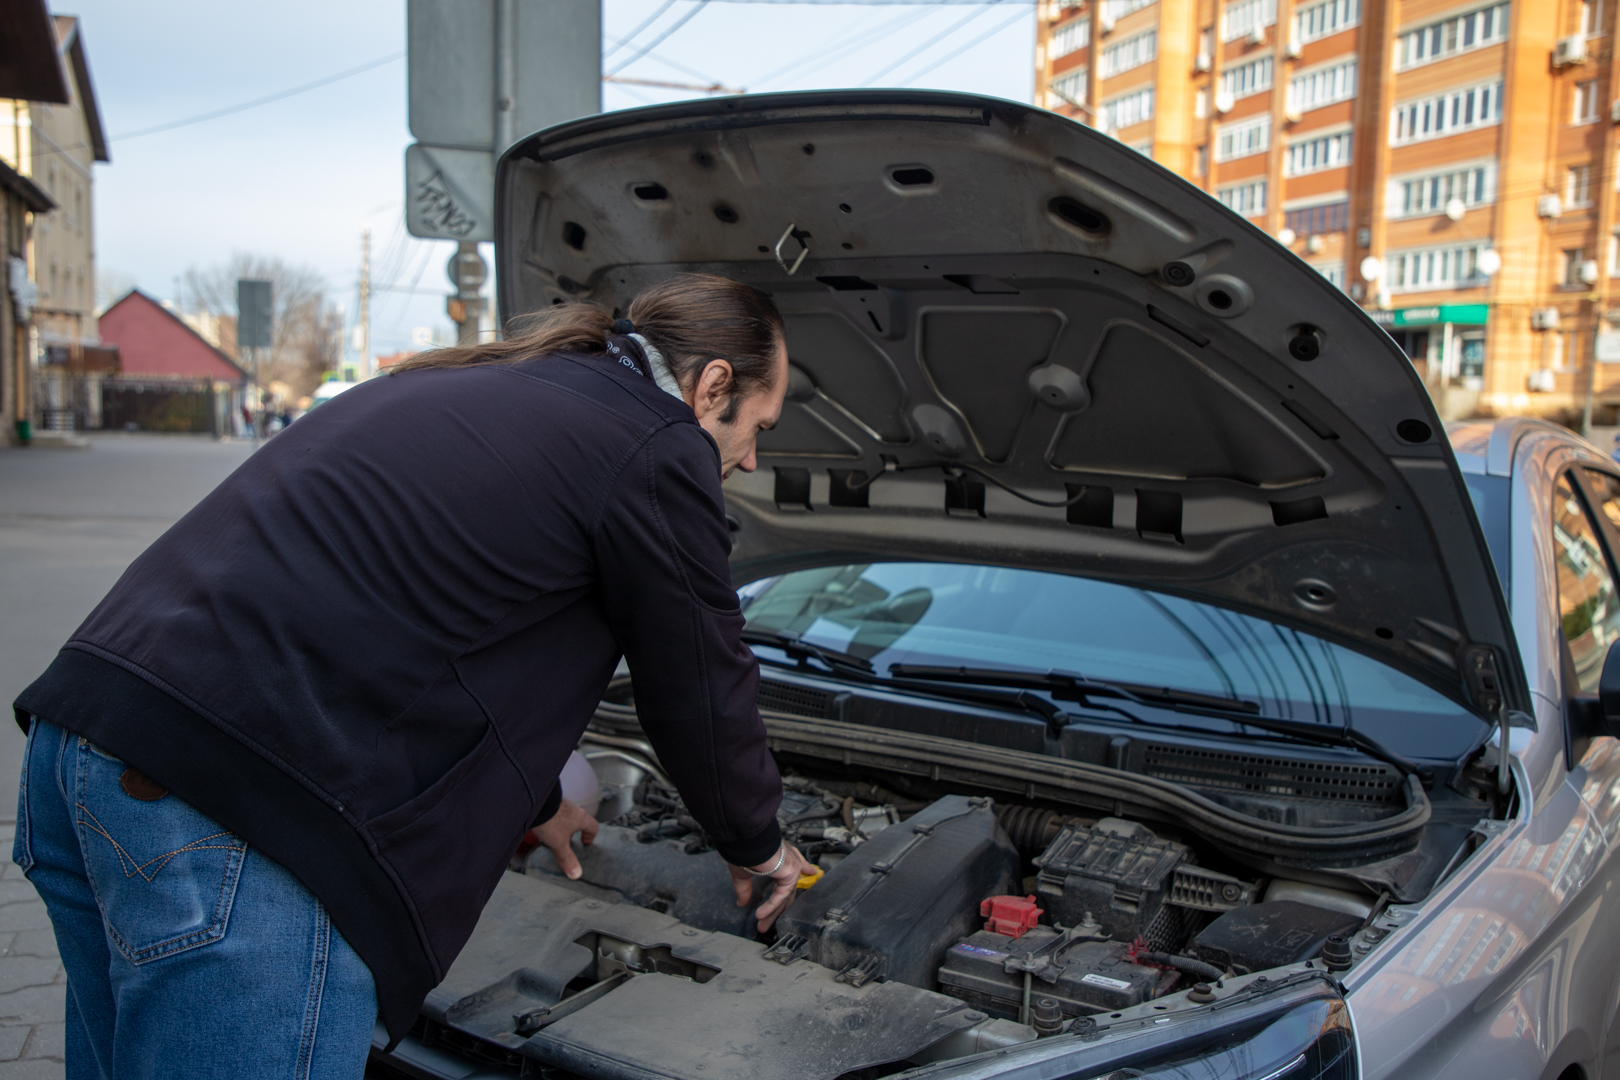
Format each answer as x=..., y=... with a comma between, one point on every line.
x=784, y=879
x=556, y=833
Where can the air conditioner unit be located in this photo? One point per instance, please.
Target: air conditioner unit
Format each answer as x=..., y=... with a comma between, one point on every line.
x=1543, y=381
x=1589, y=271
x=1202, y=62
x=1224, y=101
x=1549, y=206
x=1544, y=319
x=1295, y=49
x=1106, y=22
x=1570, y=50
x=1257, y=36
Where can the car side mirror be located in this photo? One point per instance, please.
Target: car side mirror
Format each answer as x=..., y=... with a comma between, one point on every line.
x=1609, y=691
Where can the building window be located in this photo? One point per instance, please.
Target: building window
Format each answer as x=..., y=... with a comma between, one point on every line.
x=1201, y=104
x=1070, y=88
x=1118, y=9
x=1436, y=268
x=1460, y=33
x=1314, y=155
x=1472, y=363
x=1070, y=37
x=1585, y=109
x=1325, y=18
x=1578, y=185
x=1245, y=79
x=1325, y=218
x=1145, y=148
x=1591, y=17
x=1201, y=161
x=1133, y=52
x=1242, y=138
x=1573, y=258
x=1243, y=16
x=1323, y=86
x=1614, y=254
x=1127, y=109
x=1333, y=271
x=1444, y=114
x=1432, y=192
x=1247, y=199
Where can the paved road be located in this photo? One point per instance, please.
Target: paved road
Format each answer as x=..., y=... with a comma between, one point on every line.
x=70, y=522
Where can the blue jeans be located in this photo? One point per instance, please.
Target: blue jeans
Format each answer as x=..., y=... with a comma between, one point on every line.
x=188, y=954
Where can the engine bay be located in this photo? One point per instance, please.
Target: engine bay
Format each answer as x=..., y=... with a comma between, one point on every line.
x=948, y=917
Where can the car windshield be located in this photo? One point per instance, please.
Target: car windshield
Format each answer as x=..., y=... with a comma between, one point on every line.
x=1026, y=620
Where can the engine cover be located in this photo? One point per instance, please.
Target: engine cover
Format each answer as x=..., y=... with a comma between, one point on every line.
x=892, y=908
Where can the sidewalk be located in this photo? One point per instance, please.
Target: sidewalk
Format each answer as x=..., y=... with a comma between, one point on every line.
x=32, y=982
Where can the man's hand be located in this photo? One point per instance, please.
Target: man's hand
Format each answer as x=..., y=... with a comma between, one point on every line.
x=784, y=880
x=556, y=833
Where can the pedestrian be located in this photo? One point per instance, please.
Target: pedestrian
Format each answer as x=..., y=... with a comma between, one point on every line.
x=273, y=778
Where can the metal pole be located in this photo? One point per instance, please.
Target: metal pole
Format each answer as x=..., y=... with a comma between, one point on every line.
x=254, y=399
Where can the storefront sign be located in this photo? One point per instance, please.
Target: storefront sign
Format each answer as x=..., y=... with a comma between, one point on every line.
x=1469, y=314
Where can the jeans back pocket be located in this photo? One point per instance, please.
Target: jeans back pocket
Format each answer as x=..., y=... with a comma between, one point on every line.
x=164, y=874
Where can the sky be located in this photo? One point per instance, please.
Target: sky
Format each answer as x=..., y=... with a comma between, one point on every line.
x=301, y=177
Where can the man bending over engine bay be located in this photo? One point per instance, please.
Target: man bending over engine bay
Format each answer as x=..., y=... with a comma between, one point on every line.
x=272, y=780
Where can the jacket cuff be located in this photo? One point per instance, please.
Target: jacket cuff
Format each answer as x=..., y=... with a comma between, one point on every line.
x=548, y=809
x=754, y=849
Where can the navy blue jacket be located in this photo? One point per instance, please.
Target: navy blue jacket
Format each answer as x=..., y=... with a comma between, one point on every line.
x=370, y=650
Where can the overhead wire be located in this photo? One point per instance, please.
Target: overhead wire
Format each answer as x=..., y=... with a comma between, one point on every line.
x=931, y=42
x=848, y=45
x=648, y=21
x=267, y=99
x=948, y=57
x=661, y=38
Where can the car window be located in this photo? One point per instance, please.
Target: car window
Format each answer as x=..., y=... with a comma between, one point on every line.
x=987, y=616
x=1587, y=600
x=1607, y=489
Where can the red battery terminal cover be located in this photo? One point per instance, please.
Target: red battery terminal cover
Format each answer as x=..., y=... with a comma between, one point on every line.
x=1010, y=915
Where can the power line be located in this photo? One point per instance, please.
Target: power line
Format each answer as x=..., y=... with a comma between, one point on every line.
x=256, y=102
x=930, y=43
x=648, y=21
x=948, y=57
x=847, y=45
x=659, y=40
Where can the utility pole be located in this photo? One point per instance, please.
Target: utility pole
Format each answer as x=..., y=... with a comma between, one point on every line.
x=365, y=303
x=254, y=313
x=467, y=272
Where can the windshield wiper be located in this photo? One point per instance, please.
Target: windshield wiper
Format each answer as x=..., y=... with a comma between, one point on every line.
x=1061, y=684
x=1076, y=687
x=802, y=650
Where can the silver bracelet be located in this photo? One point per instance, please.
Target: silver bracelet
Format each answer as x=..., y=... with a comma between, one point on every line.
x=781, y=857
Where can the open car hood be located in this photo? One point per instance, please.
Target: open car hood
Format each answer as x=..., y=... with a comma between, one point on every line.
x=983, y=296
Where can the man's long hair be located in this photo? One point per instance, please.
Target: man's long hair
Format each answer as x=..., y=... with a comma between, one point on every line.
x=690, y=318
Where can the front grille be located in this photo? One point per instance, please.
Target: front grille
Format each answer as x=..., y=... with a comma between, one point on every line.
x=1378, y=784
x=797, y=700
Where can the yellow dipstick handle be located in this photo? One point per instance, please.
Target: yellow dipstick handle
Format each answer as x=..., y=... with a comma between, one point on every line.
x=811, y=876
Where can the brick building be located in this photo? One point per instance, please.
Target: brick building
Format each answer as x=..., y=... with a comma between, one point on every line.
x=1452, y=166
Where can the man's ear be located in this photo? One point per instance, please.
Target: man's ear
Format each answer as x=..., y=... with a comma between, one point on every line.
x=712, y=391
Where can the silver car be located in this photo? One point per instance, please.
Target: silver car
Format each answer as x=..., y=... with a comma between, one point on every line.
x=1139, y=652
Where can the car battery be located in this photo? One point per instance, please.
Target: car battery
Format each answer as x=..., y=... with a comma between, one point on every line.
x=1085, y=977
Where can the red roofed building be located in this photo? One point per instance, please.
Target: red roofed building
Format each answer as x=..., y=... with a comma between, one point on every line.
x=169, y=377
x=152, y=340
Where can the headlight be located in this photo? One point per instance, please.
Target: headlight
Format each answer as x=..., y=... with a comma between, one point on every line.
x=1297, y=1029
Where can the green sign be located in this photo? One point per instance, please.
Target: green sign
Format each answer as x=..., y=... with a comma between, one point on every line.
x=1472, y=314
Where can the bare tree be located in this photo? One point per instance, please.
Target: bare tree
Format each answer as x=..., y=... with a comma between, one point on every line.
x=306, y=330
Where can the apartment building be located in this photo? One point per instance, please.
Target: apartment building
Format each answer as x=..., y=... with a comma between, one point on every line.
x=1451, y=166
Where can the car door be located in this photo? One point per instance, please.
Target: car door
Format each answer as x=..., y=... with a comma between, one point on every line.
x=1594, y=756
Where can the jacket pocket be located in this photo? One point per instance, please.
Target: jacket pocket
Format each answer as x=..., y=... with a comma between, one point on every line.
x=22, y=847
x=164, y=875
x=449, y=845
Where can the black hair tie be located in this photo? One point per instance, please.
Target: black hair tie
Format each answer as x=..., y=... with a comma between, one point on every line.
x=623, y=326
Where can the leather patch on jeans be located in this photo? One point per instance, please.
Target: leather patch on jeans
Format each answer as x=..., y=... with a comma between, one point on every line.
x=137, y=785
